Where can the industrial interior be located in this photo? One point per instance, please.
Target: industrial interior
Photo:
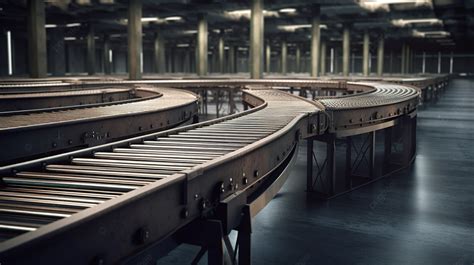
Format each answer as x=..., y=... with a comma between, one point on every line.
x=236, y=132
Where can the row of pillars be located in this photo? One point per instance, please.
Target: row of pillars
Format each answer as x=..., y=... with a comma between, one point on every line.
x=37, y=46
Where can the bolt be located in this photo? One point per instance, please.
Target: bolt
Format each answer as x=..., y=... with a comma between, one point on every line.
x=245, y=181
x=196, y=196
x=203, y=205
x=69, y=142
x=236, y=186
x=54, y=144
x=255, y=173
x=222, y=187
x=231, y=180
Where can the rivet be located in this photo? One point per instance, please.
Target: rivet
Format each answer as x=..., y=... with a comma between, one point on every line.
x=184, y=213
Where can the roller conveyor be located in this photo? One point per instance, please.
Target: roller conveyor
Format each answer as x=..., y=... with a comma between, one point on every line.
x=174, y=173
x=134, y=167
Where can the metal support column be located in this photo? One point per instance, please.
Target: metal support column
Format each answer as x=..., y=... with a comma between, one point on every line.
x=346, y=49
x=348, y=182
x=57, y=52
x=201, y=63
x=298, y=59
x=221, y=52
x=91, y=51
x=232, y=59
x=256, y=39
x=159, y=57
x=315, y=41
x=36, y=39
x=134, y=33
x=268, y=57
x=380, y=55
x=107, y=59
x=284, y=56
x=331, y=163
x=323, y=57
x=366, y=46
x=309, y=165
x=403, y=58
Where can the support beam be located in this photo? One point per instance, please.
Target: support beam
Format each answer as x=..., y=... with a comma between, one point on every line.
x=407, y=59
x=57, y=52
x=315, y=41
x=298, y=59
x=107, y=57
x=403, y=58
x=159, y=57
x=221, y=52
x=268, y=57
x=91, y=51
x=36, y=39
x=346, y=49
x=201, y=62
x=256, y=39
x=323, y=58
x=232, y=59
x=380, y=55
x=423, y=64
x=134, y=33
x=366, y=46
x=284, y=56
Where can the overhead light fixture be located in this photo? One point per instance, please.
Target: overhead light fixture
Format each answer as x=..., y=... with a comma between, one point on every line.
x=293, y=28
x=374, y=5
x=71, y=25
x=287, y=10
x=49, y=26
x=192, y=31
x=404, y=22
x=243, y=49
x=430, y=34
x=182, y=45
x=394, y=2
x=9, y=53
x=69, y=38
x=115, y=35
x=175, y=18
x=245, y=13
x=149, y=19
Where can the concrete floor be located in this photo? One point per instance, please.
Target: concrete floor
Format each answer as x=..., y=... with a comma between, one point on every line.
x=421, y=215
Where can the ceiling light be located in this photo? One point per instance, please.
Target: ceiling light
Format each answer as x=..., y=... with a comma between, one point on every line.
x=392, y=2
x=71, y=25
x=404, y=22
x=175, y=18
x=293, y=28
x=115, y=35
x=69, y=38
x=49, y=26
x=287, y=10
x=430, y=34
x=182, y=45
x=149, y=19
x=245, y=13
x=192, y=31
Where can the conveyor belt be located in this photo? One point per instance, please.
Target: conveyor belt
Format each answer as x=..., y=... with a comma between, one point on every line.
x=38, y=199
x=161, y=182
x=81, y=125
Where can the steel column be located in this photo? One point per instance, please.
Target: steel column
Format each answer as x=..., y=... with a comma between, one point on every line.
x=91, y=51
x=315, y=41
x=365, y=64
x=36, y=39
x=380, y=55
x=134, y=33
x=323, y=58
x=284, y=56
x=201, y=63
x=346, y=49
x=256, y=39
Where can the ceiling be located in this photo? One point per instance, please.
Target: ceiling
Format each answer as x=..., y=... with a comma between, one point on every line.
x=431, y=24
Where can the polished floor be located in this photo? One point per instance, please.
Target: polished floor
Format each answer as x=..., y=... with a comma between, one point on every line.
x=421, y=215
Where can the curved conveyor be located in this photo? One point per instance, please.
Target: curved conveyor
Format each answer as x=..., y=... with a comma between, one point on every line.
x=160, y=182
